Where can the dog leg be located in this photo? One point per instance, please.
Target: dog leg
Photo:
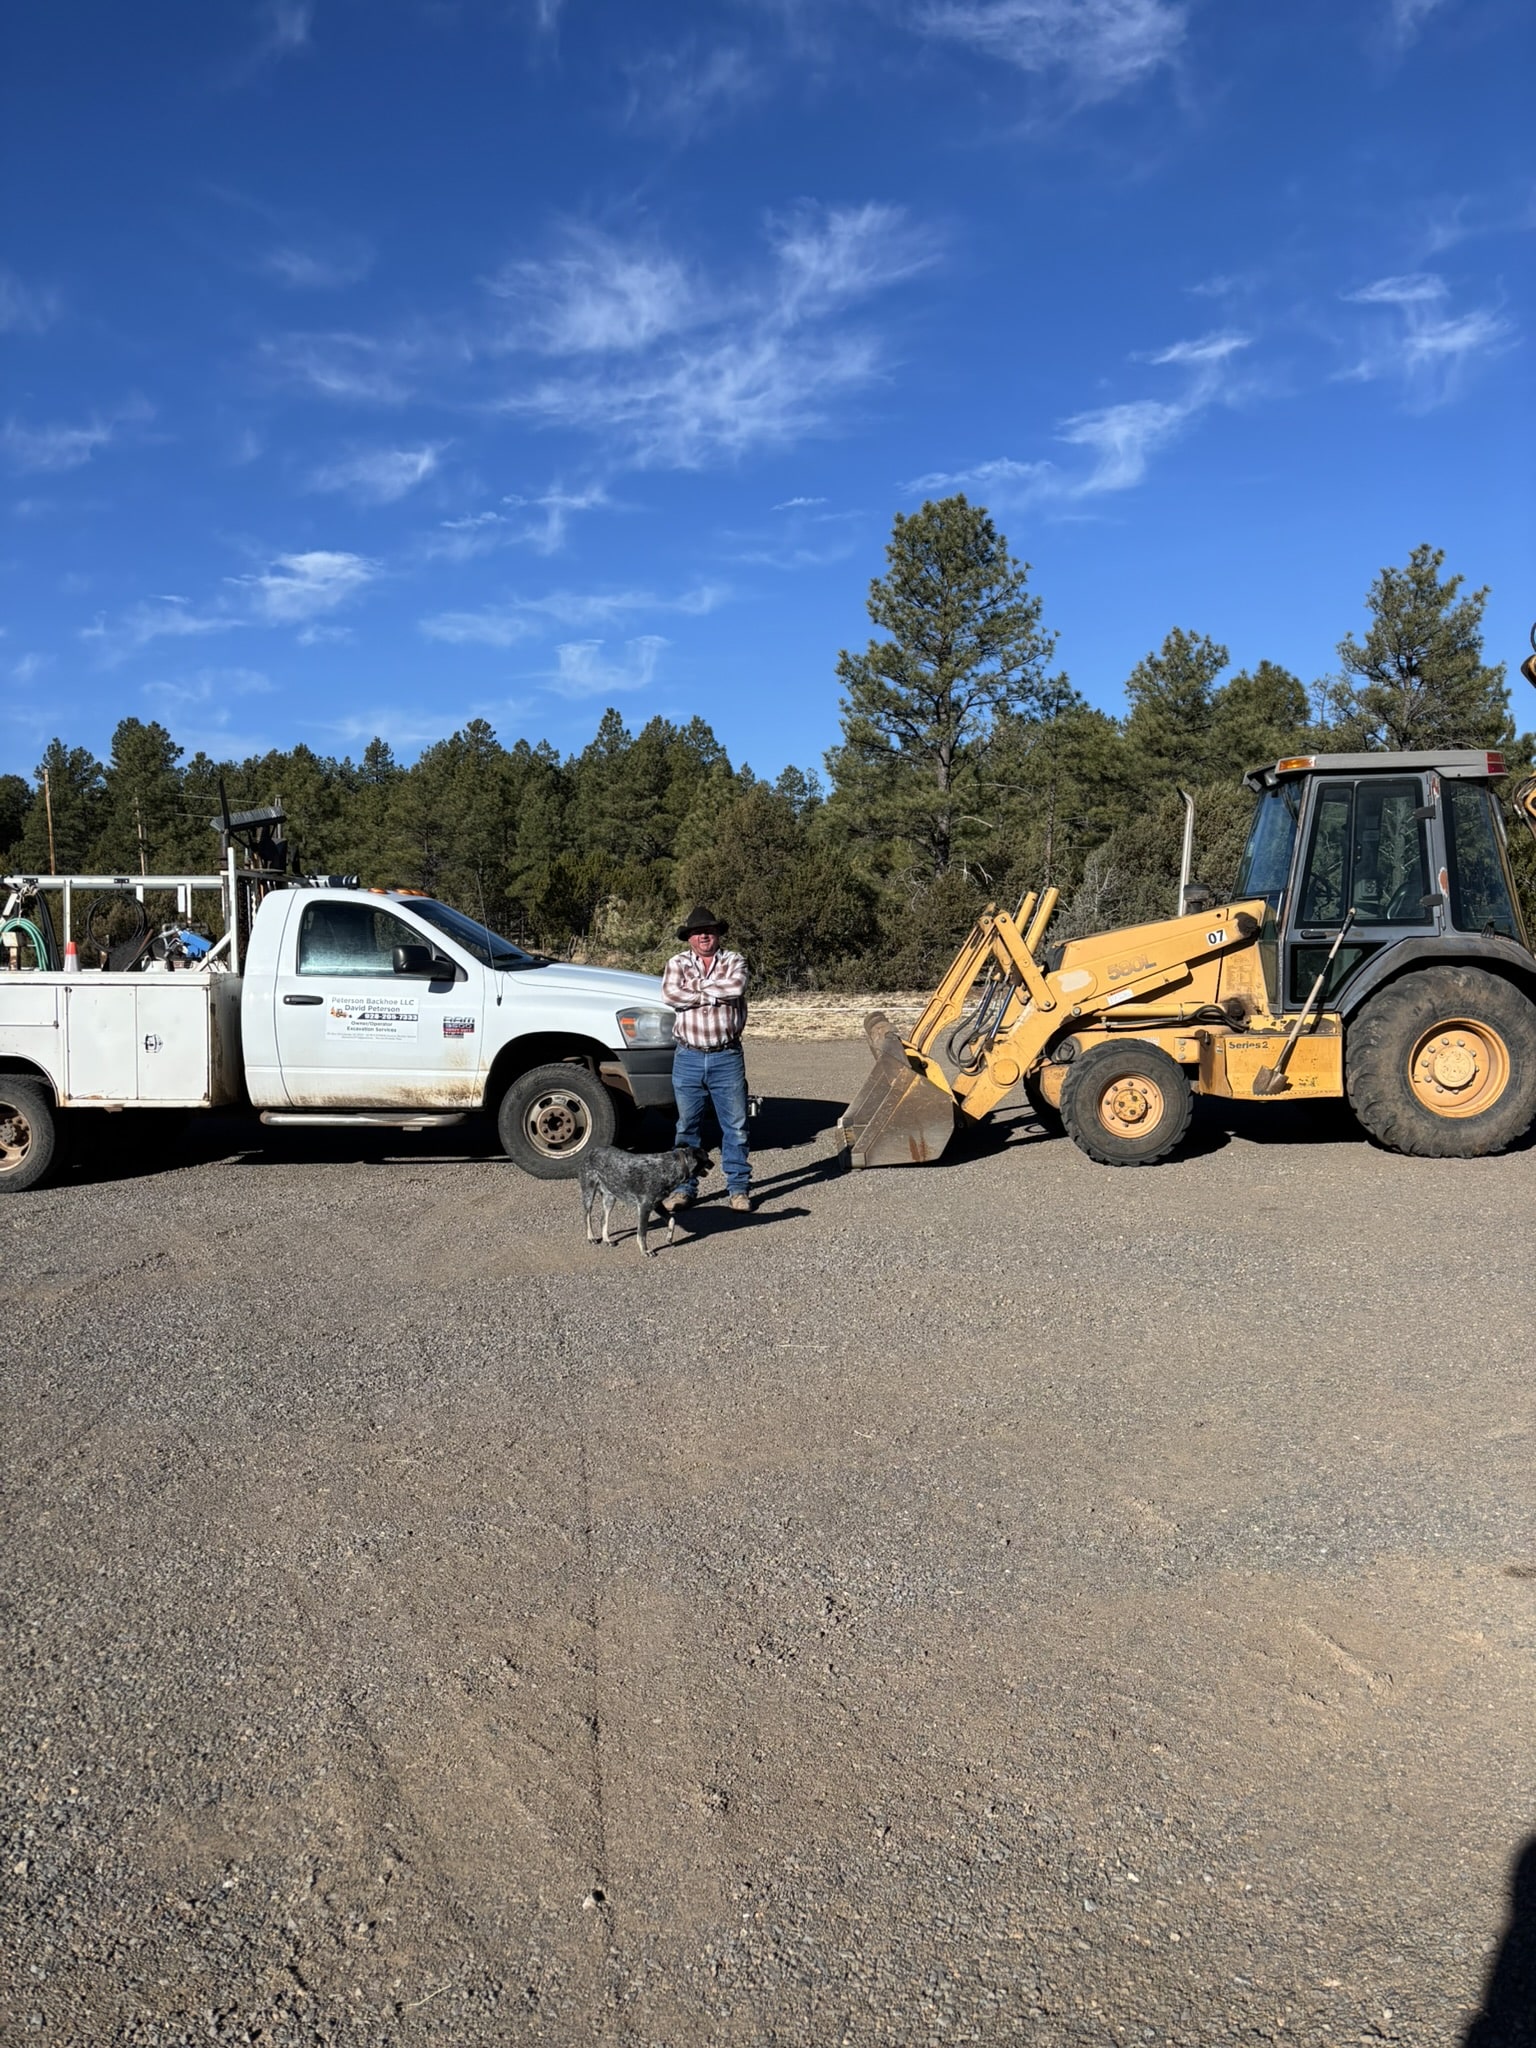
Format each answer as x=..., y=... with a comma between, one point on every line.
x=671, y=1225
x=607, y=1212
x=588, y=1196
x=642, y=1210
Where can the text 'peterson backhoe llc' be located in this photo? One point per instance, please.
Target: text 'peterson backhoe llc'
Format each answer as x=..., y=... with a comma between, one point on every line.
x=1374, y=950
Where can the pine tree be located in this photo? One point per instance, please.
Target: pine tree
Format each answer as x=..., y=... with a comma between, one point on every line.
x=1418, y=679
x=1172, y=708
x=920, y=708
x=74, y=796
x=140, y=823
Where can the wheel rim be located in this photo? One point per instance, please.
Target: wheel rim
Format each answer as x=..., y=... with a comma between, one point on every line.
x=1459, y=1067
x=557, y=1123
x=15, y=1137
x=1131, y=1105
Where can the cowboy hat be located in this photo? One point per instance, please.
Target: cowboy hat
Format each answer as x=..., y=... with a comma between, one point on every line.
x=702, y=919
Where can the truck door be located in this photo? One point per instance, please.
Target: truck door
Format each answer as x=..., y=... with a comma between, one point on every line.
x=1366, y=845
x=354, y=1031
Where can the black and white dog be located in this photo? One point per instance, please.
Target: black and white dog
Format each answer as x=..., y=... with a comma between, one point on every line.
x=644, y=1178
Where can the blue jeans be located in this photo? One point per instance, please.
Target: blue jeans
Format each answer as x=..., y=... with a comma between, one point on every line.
x=719, y=1078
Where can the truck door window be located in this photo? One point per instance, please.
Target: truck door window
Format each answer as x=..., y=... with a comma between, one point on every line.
x=351, y=938
x=1480, y=899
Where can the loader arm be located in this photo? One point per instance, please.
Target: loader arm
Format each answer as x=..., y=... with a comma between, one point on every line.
x=998, y=1009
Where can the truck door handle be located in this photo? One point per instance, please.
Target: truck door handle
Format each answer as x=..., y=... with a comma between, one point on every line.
x=301, y=1002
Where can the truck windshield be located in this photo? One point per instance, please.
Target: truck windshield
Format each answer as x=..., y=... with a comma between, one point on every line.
x=487, y=946
x=1266, y=863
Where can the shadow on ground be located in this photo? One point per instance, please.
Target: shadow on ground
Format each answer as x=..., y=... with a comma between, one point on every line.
x=1508, y=2016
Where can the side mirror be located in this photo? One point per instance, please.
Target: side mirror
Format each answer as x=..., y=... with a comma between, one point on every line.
x=423, y=963
x=1198, y=896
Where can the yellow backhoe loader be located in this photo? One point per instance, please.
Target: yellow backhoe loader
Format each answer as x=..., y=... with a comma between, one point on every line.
x=1373, y=950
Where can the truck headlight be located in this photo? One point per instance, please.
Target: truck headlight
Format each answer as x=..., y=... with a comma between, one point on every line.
x=646, y=1027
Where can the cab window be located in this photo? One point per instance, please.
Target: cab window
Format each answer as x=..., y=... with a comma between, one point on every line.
x=351, y=938
x=1480, y=899
x=1368, y=850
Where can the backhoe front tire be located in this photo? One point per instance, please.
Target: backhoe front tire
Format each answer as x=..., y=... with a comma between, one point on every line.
x=1442, y=1064
x=28, y=1134
x=1127, y=1104
x=552, y=1117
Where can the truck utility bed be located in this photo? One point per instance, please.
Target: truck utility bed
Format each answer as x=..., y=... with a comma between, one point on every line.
x=117, y=1041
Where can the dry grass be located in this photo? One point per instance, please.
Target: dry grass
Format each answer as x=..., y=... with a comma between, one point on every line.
x=803, y=1019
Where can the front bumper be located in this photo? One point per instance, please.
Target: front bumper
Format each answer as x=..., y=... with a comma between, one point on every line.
x=643, y=1073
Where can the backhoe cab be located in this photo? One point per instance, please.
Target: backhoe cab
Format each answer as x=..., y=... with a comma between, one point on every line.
x=1373, y=949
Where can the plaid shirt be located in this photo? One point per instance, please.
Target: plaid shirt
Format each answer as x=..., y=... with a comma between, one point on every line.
x=711, y=1008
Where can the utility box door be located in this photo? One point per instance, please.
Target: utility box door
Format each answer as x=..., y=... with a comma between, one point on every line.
x=101, y=1041
x=172, y=1039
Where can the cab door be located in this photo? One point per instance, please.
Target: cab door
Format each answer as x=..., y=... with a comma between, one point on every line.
x=1366, y=846
x=358, y=1026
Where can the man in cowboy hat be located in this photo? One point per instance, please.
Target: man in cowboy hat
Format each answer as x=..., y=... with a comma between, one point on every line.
x=707, y=987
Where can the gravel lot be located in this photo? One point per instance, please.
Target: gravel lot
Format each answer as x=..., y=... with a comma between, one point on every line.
x=1013, y=1600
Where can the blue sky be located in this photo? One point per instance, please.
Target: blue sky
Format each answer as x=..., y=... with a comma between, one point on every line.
x=372, y=365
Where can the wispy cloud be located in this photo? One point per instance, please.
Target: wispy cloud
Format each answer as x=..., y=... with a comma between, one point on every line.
x=167, y=618
x=599, y=296
x=60, y=447
x=297, y=588
x=797, y=504
x=1120, y=440
x=293, y=590
x=583, y=670
x=317, y=270
x=1419, y=342
x=522, y=618
x=283, y=26
x=1406, y=19
x=25, y=308
x=208, y=686
x=727, y=369
x=682, y=92
x=353, y=368
x=541, y=523
x=378, y=476
x=1098, y=49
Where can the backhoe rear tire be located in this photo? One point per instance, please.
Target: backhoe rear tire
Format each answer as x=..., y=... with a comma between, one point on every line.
x=1126, y=1104
x=1442, y=1064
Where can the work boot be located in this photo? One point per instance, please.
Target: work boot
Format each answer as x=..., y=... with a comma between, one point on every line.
x=741, y=1202
x=678, y=1199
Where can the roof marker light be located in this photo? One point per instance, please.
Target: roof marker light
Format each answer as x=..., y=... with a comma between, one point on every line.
x=1295, y=761
x=1495, y=764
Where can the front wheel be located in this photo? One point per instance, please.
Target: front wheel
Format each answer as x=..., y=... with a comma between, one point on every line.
x=28, y=1134
x=551, y=1117
x=1443, y=1064
x=1127, y=1104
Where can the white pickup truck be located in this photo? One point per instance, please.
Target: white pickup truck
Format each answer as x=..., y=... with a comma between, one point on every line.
x=318, y=1005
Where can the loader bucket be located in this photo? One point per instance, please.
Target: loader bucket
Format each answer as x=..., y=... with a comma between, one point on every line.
x=899, y=1117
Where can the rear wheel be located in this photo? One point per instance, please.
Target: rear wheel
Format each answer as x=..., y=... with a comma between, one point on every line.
x=28, y=1133
x=551, y=1117
x=1443, y=1064
x=1126, y=1105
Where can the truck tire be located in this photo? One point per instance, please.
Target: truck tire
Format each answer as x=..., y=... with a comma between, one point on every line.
x=1442, y=1064
x=28, y=1134
x=1127, y=1104
x=551, y=1117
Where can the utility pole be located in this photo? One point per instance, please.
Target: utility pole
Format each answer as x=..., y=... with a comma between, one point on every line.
x=53, y=865
x=138, y=819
